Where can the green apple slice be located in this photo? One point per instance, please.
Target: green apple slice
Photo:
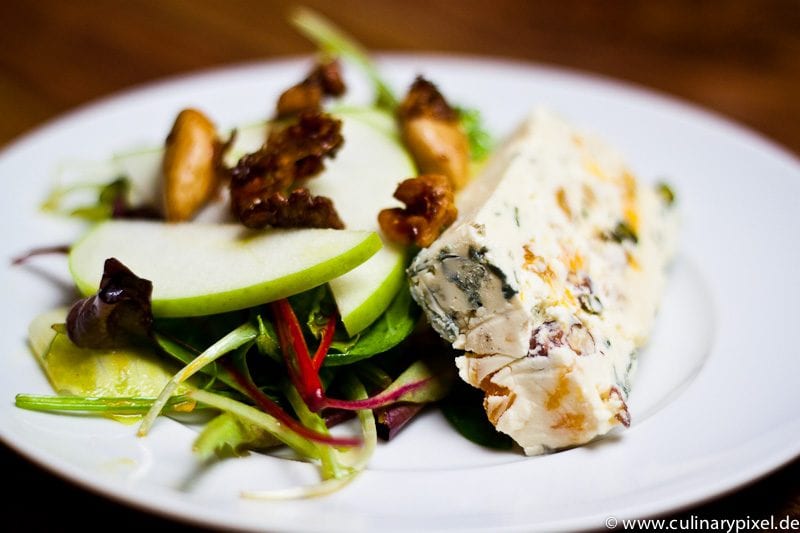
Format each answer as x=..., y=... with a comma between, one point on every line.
x=361, y=181
x=202, y=269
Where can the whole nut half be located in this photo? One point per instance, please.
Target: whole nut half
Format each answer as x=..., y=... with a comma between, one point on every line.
x=438, y=147
x=190, y=165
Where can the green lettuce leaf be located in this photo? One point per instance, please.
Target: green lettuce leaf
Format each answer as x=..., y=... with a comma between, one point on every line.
x=463, y=408
x=480, y=141
x=229, y=436
x=389, y=330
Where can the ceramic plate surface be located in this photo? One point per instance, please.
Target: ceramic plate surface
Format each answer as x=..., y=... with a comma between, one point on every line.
x=714, y=404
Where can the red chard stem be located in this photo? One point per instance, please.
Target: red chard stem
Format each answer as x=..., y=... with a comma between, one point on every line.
x=301, y=367
x=377, y=401
x=266, y=404
x=324, y=343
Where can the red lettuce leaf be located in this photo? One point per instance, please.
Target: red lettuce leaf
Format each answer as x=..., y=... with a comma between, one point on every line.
x=118, y=315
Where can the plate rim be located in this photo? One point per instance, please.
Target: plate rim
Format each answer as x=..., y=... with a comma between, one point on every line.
x=132, y=498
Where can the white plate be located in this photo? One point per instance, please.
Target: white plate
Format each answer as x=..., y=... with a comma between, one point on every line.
x=714, y=404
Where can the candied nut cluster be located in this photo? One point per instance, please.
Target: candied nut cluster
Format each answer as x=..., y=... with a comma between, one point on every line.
x=325, y=79
x=300, y=209
x=431, y=131
x=262, y=182
x=430, y=208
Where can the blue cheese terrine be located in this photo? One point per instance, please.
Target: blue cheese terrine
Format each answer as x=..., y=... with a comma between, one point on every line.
x=549, y=281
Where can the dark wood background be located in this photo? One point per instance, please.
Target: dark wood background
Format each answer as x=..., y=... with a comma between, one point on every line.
x=739, y=58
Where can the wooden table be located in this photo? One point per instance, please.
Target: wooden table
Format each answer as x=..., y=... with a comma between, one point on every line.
x=739, y=58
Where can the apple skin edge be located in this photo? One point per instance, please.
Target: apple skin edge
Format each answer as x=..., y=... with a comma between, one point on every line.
x=238, y=297
x=274, y=289
x=364, y=294
x=371, y=308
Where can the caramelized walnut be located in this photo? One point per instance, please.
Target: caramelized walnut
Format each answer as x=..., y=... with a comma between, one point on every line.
x=430, y=208
x=301, y=147
x=324, y=80
x=431, y=132
x=261, y=181
x=300, y=209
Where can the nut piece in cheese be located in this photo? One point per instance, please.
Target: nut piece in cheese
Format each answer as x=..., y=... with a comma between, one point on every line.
x=549, y=280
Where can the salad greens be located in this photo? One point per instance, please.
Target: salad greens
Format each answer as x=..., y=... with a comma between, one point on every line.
x=391, y=328
x=107, y=196
x=106, y=405
x=463, y=408
x=112, y=201
x=278, y=374
x=480, y=142
x=229, y=436
x=244, y=334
